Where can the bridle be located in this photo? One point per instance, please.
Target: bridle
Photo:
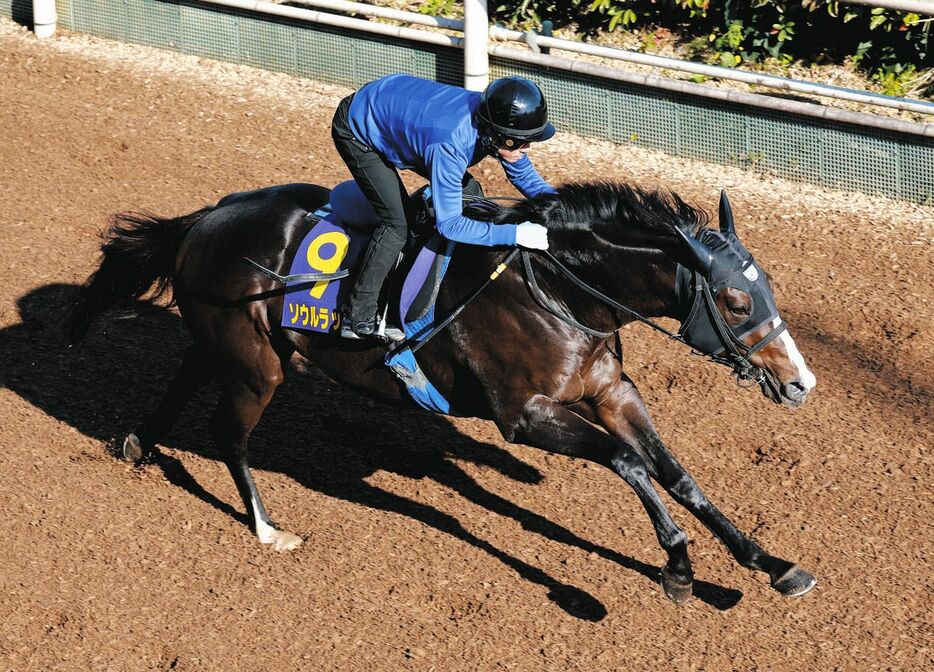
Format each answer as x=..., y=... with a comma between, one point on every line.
x=702, y=317
x=734, y=353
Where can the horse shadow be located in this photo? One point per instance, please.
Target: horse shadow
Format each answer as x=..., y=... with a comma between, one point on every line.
x=106, y=385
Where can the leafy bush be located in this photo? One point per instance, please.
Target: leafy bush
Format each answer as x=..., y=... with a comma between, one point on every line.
x=893, y=46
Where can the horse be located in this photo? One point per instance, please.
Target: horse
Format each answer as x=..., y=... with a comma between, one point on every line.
x=537, y=351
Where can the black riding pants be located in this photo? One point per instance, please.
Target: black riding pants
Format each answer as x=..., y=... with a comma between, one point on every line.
x=380, y=182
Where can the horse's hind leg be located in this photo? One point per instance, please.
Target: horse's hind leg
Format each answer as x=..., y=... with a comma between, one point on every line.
x=193, y=373
x=240, y=407
x=623, y=414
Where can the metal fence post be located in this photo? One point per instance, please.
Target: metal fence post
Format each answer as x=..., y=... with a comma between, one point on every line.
x=547, y=28
x=476, y=39
x=44, y=17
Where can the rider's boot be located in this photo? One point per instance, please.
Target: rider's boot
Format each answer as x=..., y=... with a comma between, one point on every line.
x=374, y=328
x=360, y=316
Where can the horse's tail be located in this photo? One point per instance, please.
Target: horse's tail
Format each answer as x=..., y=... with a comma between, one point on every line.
x=138, y=251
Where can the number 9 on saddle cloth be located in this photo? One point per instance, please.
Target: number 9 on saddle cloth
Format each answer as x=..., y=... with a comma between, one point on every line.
x=339, y=232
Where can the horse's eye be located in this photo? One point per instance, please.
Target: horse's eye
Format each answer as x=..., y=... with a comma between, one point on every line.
x=739, y=310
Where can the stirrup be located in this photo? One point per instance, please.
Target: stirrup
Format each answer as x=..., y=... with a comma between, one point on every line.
x=383, y=332
x=389, y=333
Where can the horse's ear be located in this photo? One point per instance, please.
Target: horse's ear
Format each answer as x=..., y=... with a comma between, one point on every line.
x=726, y=215
x=699, y=256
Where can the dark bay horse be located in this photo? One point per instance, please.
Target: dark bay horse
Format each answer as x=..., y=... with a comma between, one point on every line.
x=535, y=352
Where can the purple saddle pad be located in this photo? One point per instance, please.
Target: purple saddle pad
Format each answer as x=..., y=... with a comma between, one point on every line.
x=335, y=243
x=330, y=246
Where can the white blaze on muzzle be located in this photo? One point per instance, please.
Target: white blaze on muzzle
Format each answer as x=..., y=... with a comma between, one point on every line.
x=807, y=379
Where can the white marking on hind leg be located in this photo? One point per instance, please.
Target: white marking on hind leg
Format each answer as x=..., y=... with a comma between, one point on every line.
x=807, y=378
x=267, y=534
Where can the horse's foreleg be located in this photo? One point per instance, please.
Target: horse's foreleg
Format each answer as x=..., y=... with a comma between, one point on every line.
x=193, y=373
x=621, y=411
x=240, y=407
x=545, y=423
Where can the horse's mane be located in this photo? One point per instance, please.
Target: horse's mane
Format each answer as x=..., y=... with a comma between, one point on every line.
x=606, y=208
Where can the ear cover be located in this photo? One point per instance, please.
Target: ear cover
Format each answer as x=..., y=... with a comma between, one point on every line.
x=700, y=258
x=726, y=215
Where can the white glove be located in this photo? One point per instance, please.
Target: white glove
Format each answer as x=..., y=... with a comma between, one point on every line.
x=531, y=235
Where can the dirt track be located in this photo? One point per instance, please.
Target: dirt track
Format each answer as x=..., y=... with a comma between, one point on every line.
x=431, y=544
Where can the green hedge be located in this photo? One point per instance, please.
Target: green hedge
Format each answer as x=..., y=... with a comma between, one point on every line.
x=892, y=46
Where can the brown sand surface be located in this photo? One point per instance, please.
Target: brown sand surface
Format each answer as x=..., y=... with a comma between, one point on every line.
x=431, y=543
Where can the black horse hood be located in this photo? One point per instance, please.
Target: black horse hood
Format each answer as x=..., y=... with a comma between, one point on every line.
x=732, y=266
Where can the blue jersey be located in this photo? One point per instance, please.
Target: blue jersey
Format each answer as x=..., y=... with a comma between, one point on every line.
x=427, y=127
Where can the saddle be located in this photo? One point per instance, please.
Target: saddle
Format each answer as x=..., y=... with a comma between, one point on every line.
x=339, y=232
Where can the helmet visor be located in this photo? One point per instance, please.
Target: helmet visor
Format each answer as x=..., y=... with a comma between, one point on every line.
x=515, y=139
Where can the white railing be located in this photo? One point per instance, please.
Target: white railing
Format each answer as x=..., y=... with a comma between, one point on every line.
x=476, y=45
x=527, y=56
x=916, y=6
x=536, y=42
x=44, y=18
x=718, y=72
x=384, y=13
x=339, y=21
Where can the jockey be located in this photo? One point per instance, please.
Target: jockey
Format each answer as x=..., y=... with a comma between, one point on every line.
x=403, y=122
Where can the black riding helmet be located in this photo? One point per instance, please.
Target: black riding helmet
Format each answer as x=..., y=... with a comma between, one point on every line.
x=512, y=112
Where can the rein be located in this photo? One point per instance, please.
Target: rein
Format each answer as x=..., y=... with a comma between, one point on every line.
x=738, y=353
x=548, y=305
x=459, y=307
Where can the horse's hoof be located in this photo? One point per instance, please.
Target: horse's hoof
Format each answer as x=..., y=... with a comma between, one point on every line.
x=286, y=541
x=675, y=590
x=794, y=582
x=280, y=540
x=132, y=449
